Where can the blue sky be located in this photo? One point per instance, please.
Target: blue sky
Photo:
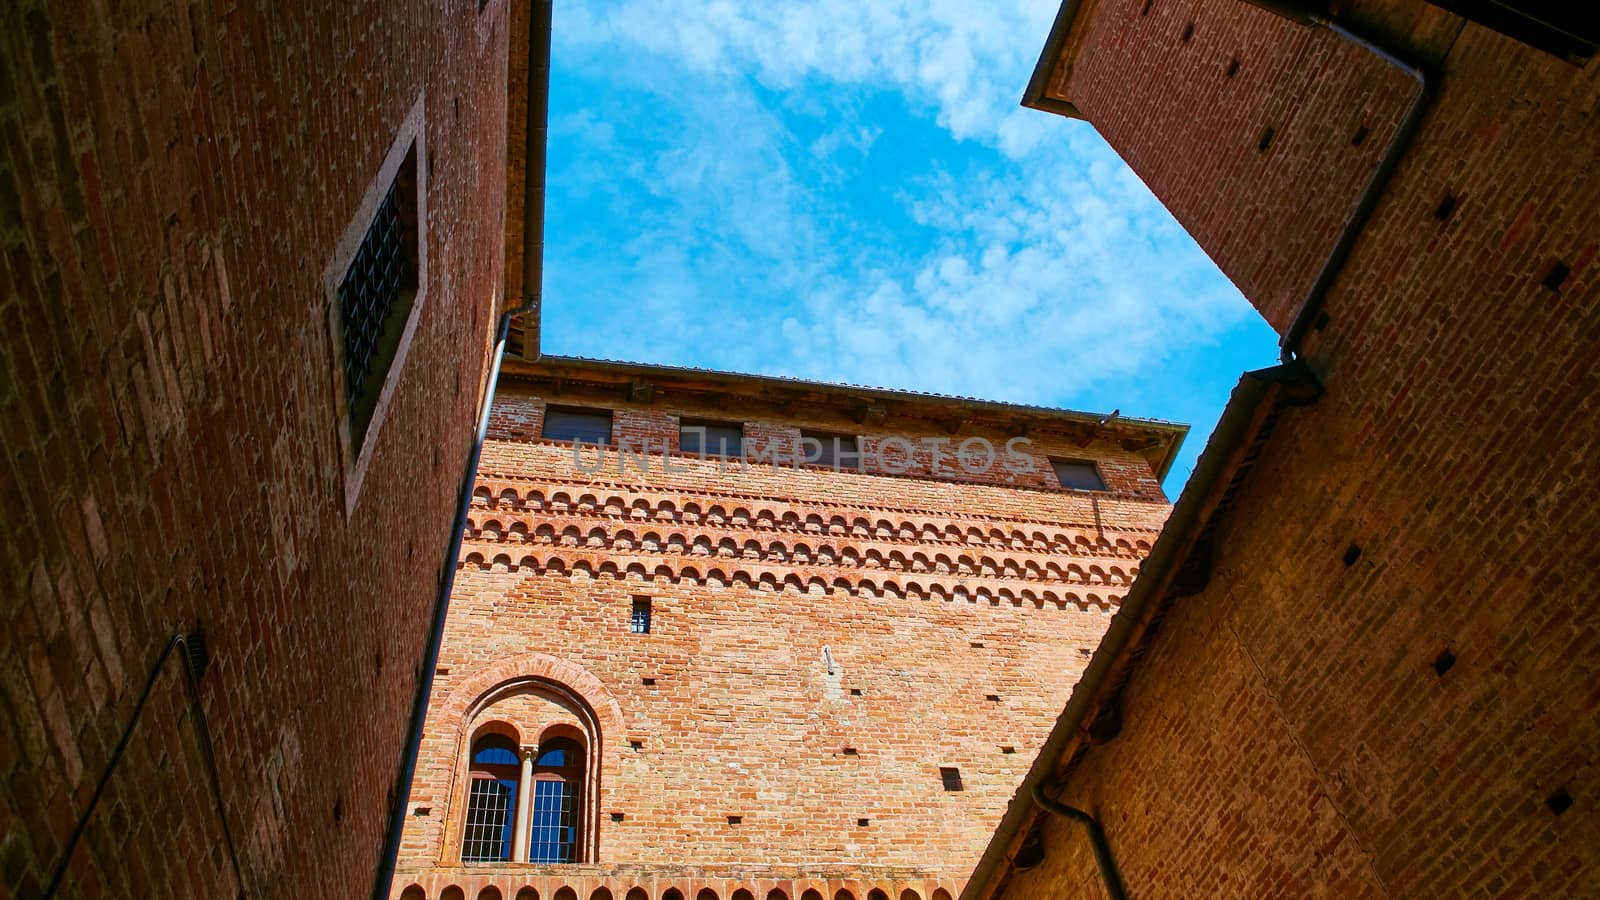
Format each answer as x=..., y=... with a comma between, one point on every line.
x=848, y=191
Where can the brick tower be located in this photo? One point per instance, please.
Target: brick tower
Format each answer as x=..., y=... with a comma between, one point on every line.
x=677, y=675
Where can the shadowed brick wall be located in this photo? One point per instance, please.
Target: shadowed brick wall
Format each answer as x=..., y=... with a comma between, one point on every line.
x=173, y=181
x=1389, y=687
x=956, y=617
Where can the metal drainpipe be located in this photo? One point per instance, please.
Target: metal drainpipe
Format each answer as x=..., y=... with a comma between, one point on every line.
x=430, y=654
x=536, y=131
x=1097, y=839
x=1333, y=265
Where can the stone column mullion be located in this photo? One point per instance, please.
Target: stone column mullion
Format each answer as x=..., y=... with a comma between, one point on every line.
x=519, y=834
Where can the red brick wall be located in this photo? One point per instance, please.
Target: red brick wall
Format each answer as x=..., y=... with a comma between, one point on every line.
x=929, y=596
x=173, y=181
x=1287, y=733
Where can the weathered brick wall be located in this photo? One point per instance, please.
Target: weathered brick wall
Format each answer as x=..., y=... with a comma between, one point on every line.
x=173, y=182
x=930, y=596
x=1297, y=729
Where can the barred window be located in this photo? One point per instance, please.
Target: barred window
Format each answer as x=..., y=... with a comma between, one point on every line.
x=557, y=773
x=491, y=800
x=640, y=623
x=375, y=297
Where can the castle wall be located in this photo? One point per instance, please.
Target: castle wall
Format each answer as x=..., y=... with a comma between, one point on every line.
x=174, y=184
x=822, y=643
x=1388, y=687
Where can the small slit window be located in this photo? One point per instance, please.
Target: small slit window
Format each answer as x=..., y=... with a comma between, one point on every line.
x=836, y=451
x=950, y=776
x=640, y=622
x=569, y=424
x=711, y=438
x=1078, y=475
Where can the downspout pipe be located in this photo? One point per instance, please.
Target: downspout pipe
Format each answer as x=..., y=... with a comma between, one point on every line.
x=430, y=654
x=1356, y=223
x=536, y=130
x=1097, y=839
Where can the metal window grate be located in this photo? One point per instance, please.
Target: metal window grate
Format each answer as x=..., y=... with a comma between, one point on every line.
x=554, y=831
x=488, y=831
x=368, y=292
x=640, y=623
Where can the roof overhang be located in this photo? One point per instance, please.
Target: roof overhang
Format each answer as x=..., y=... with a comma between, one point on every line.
x=1036, y=96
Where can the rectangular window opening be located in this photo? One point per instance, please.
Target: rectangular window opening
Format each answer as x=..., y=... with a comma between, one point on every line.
x=708, y=438
x=569, y=423
x=951, y=777
x=1078, y=475
x=375, y=296
x=640, y=623
x=837, y=451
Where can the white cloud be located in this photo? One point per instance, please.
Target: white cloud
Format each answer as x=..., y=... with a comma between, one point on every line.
x=1034, y=267
x=968, y=60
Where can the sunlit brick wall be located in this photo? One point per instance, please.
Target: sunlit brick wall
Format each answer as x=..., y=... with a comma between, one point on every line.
x=930, y=596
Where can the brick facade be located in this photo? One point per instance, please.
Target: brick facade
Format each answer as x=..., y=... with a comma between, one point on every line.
x=174, y=182
x=1387, y=687
x=822, y=642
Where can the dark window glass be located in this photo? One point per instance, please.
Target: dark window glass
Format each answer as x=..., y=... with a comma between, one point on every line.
x=1079, y=476
x=640, y=623
x=711, y=438
x=592, y=426
x=494, y=752
x=839, y=451
x=951, y=777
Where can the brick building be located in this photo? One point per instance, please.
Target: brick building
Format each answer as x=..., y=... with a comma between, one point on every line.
x=1376, y=663
x=682, y=676
x=250, y=274
x=1359, y=661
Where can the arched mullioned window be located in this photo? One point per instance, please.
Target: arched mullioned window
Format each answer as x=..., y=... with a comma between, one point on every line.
x=491, y=799
x=557, y=779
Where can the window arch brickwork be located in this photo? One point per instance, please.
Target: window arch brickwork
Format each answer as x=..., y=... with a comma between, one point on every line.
x=477, y=700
